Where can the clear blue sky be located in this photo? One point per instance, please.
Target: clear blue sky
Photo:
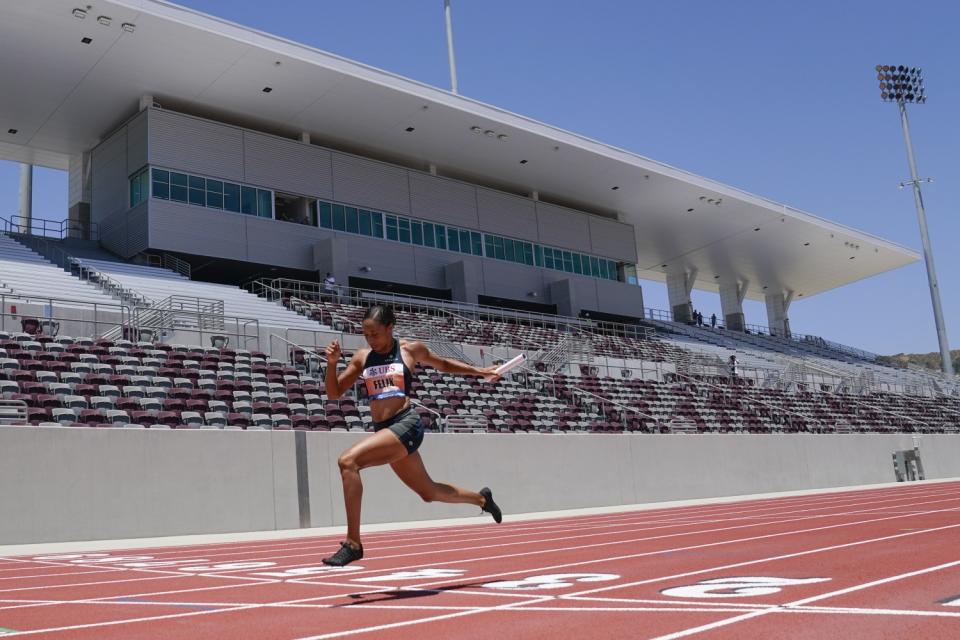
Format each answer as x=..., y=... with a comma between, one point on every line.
x=776, y=97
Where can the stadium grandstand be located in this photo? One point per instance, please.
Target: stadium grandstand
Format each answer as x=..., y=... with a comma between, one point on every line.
x=185, y=288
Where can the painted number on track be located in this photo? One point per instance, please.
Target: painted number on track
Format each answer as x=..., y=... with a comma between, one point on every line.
x=739, y=587
x=551, y=581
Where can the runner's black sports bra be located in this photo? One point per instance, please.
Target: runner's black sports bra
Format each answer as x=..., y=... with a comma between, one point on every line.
x=386, y=375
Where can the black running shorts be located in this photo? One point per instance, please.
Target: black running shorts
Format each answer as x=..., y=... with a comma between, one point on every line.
x=407, y=426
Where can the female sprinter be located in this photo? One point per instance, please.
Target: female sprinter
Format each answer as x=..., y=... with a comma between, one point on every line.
x=385, y=369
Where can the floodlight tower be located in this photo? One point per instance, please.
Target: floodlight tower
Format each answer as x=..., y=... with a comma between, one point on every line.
x=450, y=57
x=902, y=85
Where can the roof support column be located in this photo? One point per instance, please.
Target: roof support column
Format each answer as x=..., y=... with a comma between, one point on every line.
x=778, y=304
x=25, y=210
x=732, y=294
x=679, y=286
x=79, y=195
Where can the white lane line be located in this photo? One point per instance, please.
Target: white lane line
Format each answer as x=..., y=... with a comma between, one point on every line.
x=433, y=554
x=638, y=554
x=407, y=623
x=750, y=503
x=747, y=563
x=798, y=603
x=381, y=590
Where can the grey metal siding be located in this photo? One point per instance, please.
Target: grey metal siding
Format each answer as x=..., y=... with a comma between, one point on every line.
x=286, y=165
x=195, y=230
x=508, y=280
x=390, y=261
x=137, y=143
x=562, y=227
x=618, y=297
x=138, y=230
x=584, y=289
x=613, y=239
x=191, y=144
x=430, y=265
x=284, y=244
x=443, y=200
x=110, y=190
x=507, y=214
x=125, y=233
x=367, y=183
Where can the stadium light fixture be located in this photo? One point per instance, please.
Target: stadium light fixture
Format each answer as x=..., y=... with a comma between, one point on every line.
x=453, y=62
x=904, y=85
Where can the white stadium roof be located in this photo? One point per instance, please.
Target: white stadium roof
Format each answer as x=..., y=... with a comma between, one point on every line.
x=62, y=96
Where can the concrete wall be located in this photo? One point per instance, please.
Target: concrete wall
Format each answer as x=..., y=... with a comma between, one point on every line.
x=59, y=484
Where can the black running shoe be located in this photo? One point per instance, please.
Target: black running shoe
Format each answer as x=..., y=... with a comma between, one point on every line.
x=490, y=506
x=344, y=556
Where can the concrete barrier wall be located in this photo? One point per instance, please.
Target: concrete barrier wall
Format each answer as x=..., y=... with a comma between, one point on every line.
x=60, y=484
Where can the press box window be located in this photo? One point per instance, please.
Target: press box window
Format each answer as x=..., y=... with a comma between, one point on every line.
x=161, y=184
x=139, y=187
x=296, y=209
x=198, y=191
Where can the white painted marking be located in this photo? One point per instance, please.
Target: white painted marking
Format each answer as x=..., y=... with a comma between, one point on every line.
x=551, y=581
x=413, y=575
x=228, y=566
x=799, y=603
x=740, y=587
x=298, y=572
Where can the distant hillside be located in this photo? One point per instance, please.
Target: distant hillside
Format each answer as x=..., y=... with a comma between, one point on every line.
x=926, y=360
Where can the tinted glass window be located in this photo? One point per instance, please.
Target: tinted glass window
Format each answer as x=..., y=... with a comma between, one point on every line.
x=231, y=197
x=353, y=219
x=215, y=194
x=428, y=235
x=339, y=218
x=248, y=201
x=441, y=234
x=198, y=189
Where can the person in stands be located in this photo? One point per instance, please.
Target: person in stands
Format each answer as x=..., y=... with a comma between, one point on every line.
x=734, y=367
x=386, y=368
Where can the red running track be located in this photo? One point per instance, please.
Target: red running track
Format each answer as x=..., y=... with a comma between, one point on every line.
x=872, y=564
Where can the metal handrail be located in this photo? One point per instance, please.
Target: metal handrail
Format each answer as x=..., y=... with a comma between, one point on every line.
x=278, y=288
x=59, y=229
x=539, y=374
x=766, y=404
x=6, y=300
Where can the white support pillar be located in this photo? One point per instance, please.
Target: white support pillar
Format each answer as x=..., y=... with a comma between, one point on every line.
x=305, y=137
x=732, y=294
x=146, y=101
x=778, y=304
x=433, y=169
x=79, y=195
x=25, y=209
x=679, y=286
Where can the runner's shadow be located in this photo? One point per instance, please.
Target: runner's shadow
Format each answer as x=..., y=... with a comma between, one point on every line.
x=400, y=594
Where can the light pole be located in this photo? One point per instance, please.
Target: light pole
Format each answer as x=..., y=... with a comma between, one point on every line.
x=453, y=61
x=902, y=84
